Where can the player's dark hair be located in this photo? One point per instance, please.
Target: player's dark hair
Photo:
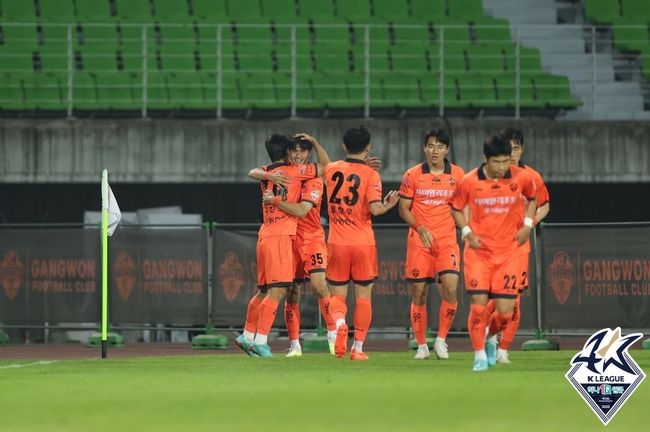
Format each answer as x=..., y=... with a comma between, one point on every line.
x=513, y=134
x=276, y=146
x=496, y=145
x=356, y=139
x=300, y=142
x=439, y=134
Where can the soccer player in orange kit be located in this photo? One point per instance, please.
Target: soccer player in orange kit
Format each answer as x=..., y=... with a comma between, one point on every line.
x=492, y=237
x=432, y=248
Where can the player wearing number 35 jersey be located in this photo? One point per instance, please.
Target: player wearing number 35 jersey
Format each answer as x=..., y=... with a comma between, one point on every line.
x=355, y=193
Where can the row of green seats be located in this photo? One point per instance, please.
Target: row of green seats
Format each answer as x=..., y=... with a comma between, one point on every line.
x=29, y=36
x=408, y=57
x=239, y=91
x=621, y=11
x=239, y=10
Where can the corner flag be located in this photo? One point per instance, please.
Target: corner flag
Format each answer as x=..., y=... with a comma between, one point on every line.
x=111, y=216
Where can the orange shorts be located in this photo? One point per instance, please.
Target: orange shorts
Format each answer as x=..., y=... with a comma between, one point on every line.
x=495, y=276
x=522, y=272
x=311, y=257
x=356, y=263
x=424, y=264
x=275, y=256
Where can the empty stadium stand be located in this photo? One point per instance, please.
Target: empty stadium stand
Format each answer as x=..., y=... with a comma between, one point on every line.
x=280, y=57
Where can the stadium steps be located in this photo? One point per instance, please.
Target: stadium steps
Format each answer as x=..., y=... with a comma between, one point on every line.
x=565, y=54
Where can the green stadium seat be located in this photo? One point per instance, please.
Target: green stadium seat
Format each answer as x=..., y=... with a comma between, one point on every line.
x=18, y=38
x=636, y=9
x=259, y=90
x=231, y=95
x=633, y=38
x=333, y=60
x=465, y=9
x=391, y=10
x=55, y=62
x=93, y=11
x=59, y=11
x=158, y=92
x=135, y=11
x=186, y=91
x=245, y=11
x=602, y=11
x=316, y=9
x=356, y=11
x=488, y=59
x=103, y=61
x=210, y=11
x=46, y=91
x=11, y=92
x=456, y=60
x=428, y=10
x=18, y=11
x=172, y=10
x=97, y=37
x=55, y=37
x=530, y=60
x=280, y=11
x=84, y=92
x=492, y=30
x=397, y=90
x=455, y=34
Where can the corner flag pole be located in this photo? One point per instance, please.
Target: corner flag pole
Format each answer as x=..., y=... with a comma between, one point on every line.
x=104, y=262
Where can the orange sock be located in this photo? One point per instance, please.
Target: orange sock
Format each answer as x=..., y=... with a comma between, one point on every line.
x=510, y=331
x=292, y=319
x=338, y=307
x=446, y=318
x=419, y=322
x=252, y=314
x=498, y=322
x=476, y=324
x=325, y=306
x=268, y=309
x=491, y=307
x=362, y=318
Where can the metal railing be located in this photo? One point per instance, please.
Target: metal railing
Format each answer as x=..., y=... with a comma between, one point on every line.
x=297, y=68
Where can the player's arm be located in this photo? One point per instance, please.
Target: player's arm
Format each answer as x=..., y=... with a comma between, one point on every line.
x=299, y=209
x=378, y=208
x=467, y=234
x=275, y=177
x=321, y=154
x=542, y=212
x=408, y=217
x=524, y=232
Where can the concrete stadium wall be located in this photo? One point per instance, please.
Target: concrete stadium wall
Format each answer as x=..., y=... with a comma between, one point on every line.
x=41, y=151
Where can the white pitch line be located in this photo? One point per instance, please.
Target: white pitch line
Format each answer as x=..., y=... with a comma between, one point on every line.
x=22, y=365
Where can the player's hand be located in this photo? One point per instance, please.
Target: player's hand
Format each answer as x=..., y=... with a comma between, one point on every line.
x=523, y=235
x=473, y=240
x=307, y=137
x=391, y=199
x=278, y=178
x=374, y=162
x=426, y=236
x=268, y=196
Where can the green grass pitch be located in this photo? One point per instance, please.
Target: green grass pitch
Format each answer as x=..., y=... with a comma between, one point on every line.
x=391, y=392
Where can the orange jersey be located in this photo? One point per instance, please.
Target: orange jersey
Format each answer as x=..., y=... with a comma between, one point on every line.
x=430, y=195
x=352, y=186
x=542, y=196
x=309, y=227
x=495, y=206
x=277, y=222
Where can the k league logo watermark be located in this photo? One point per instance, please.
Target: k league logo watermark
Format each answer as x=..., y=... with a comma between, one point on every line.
x=604, y=373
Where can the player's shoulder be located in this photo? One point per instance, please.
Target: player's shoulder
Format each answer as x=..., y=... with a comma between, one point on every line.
x=277, y=166
x=316, y=182
x=415, y=170
x=534, y=173
x=471, y=175
x=457, y=171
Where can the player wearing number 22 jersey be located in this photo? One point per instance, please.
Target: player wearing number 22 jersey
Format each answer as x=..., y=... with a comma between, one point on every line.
x=355, y=193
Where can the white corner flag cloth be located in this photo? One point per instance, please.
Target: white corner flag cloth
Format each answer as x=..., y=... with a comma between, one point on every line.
x=114, y=213
x=109, y=203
